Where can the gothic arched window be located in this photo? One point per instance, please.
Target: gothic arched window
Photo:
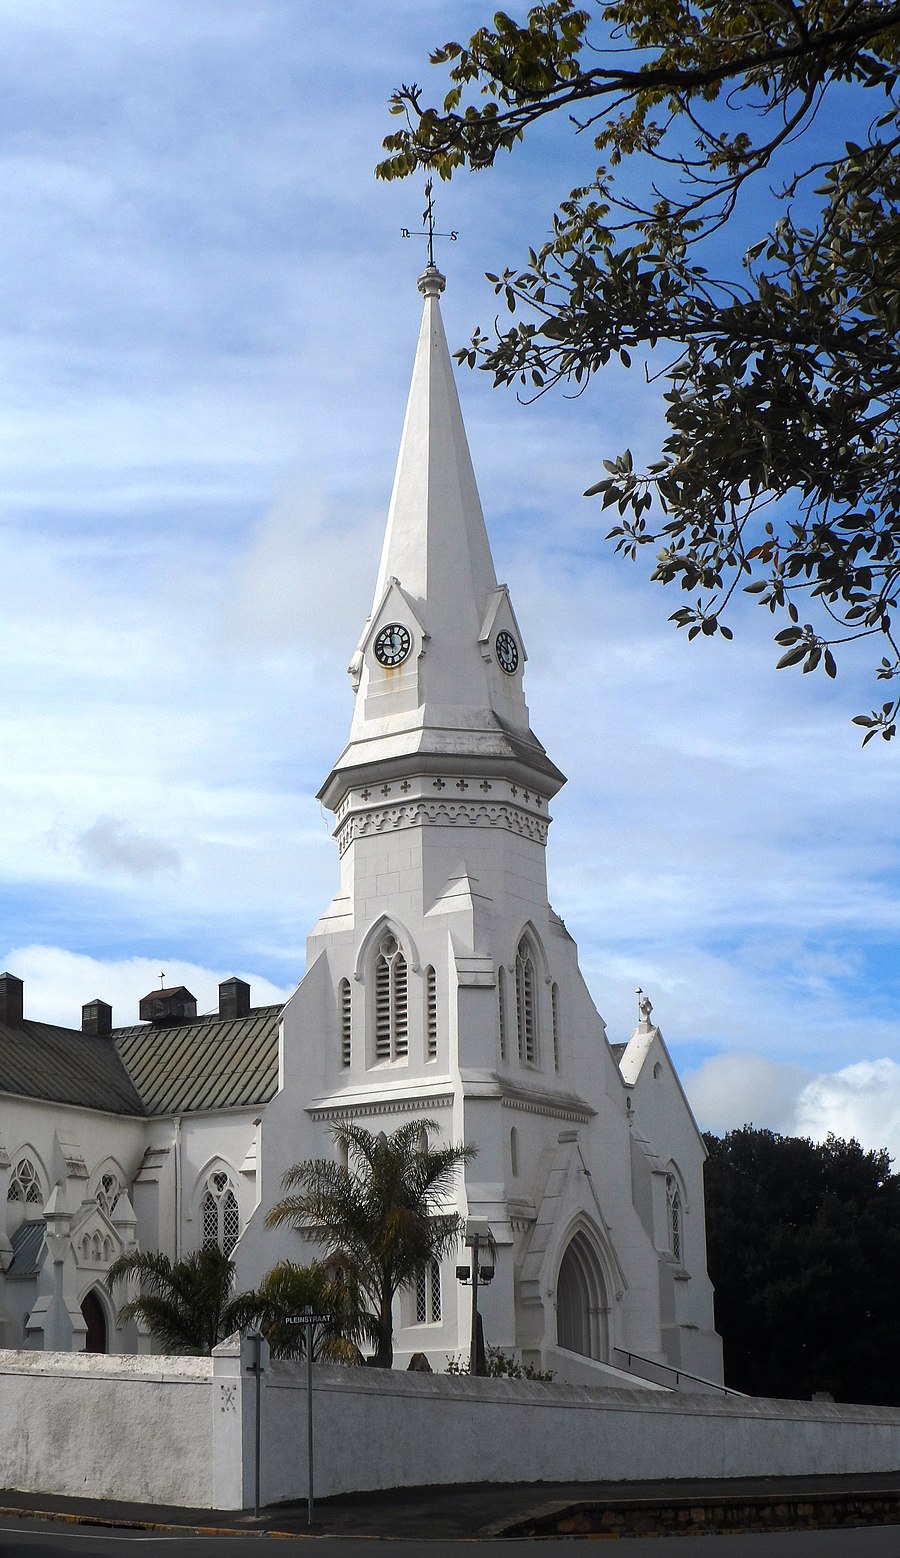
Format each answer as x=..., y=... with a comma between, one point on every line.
x=526, y=1004
x=673, y=1195
x=108, y=1192
x=391, y=1001
x=428, y=1293
x=24, y=1184
x=554, y=1008
x=219, y=1213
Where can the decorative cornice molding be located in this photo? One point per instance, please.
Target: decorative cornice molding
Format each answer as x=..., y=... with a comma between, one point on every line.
x=399, y=1105
x=443, y=813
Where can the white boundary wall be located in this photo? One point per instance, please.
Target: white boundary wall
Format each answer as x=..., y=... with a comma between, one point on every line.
x=181, y=1431
x=123, y=1427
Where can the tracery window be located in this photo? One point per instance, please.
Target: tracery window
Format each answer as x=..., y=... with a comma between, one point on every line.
x=24, y=1184
x=526, y=1004
x=344, y=1000
x=431, y=1023
x=428, y=1293
x=219, y=1213
x=108, y=1192
x=391, y=1001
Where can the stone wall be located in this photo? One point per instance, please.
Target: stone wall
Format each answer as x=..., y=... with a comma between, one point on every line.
x=122, y=1427
x=181, y=1431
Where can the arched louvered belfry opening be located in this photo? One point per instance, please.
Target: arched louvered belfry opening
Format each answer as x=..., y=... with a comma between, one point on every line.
x=94, y=1316
x=581, y=1301
x=391, y=1000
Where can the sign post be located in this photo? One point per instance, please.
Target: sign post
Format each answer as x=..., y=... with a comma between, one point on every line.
x=307, y=1318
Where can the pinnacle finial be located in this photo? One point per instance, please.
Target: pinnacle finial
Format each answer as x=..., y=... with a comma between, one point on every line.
x=431, y=283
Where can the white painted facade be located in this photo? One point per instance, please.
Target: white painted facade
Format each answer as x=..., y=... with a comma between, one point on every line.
x=589, y=1169
x=440, y=984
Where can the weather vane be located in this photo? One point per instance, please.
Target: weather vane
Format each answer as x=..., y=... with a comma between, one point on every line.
x=428, y=230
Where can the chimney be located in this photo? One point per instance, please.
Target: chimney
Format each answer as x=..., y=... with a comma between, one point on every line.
x=12, y=999
x=165, y=1008
x=96, y=1019
x=234, y=998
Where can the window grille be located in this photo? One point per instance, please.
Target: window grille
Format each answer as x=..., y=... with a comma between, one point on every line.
x=24, y=1184
x=431, y=1013
x=554, y=1004
x=428, y=1293
x=525, y=1004
x=391, y=1002
x=344, y=998
x=501, y=1010
x=231, y=1222
x=219, y=1213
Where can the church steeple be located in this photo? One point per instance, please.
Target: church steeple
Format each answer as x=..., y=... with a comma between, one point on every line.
x=438, y=669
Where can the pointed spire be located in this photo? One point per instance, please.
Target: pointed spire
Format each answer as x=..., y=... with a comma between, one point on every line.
x=436, y=544
x=439, y=665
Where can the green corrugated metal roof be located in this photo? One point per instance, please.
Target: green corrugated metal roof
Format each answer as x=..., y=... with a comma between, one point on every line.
x=213, y=1063
x=26, y=1243
x=65, y=1066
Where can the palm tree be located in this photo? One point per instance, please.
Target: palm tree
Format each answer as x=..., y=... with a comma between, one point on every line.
x=380, y=1217
x=186, y=1304
x=288, y=1289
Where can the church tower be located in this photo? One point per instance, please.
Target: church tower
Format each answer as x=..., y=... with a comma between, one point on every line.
x=442, y=985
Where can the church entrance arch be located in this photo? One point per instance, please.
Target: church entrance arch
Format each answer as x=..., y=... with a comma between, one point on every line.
x=94, y=1316
x=581, y=1303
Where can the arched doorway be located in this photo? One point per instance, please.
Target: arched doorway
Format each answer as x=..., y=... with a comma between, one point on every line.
x=581, y=1306
x=94, y=1316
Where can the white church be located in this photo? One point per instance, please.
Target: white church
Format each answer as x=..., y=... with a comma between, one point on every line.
x=440, y=985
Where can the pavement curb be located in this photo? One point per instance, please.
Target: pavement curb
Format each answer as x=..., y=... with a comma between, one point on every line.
x=65, y=1517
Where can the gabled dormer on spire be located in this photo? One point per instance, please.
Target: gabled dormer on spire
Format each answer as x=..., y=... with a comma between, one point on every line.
x=438, y=669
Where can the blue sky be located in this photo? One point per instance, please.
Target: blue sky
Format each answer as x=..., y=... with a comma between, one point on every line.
x=207, y=320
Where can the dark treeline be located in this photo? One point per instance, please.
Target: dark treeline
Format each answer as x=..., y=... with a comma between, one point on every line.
x=804, y=1253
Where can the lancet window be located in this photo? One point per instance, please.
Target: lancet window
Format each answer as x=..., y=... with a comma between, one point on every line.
x=554, y=1009
x=391, y=1001
x=428, y=1293
x=219, y=1213
x=526, y=1004
x=675, y=1219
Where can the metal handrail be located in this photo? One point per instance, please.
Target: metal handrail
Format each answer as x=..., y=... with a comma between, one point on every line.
x=654, y=1363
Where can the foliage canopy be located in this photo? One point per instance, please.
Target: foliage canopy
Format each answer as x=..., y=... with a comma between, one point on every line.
x=775, y=121
x=188, y=1305
x=804, y=1254
x=381, y=1217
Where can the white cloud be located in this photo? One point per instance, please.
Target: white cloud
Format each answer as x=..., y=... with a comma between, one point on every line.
x=861, y=1100
x=732, y=1090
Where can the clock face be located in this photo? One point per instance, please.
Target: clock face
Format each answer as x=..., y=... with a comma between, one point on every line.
x=392, y=644
x=507, y=651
